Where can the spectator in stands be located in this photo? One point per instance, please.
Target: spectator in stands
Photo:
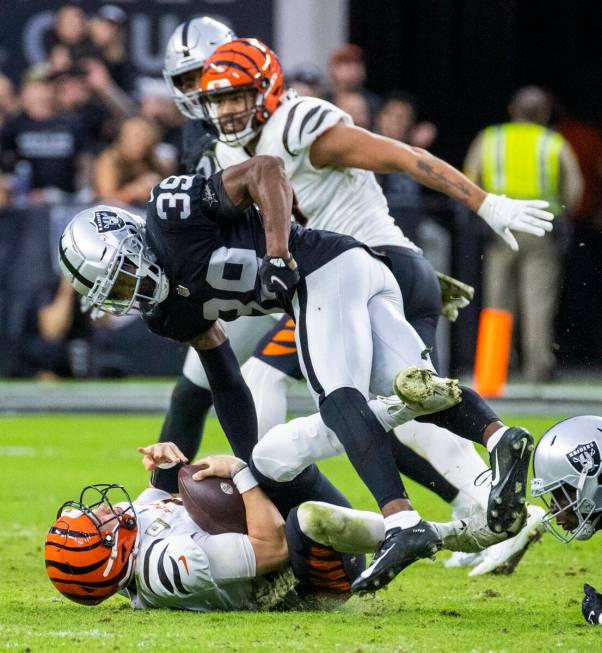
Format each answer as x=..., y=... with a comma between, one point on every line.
x=126, y=171
x=70, y=30
x=90, y=94
x=108, y=35
x=60, y=59
x=356, y=105
x=306, y=79
x=525, y=159
x=57, y=335
x=44, y=148
x=157, y=105
x=581, y=302
x=347, y=72
x=9, y=103
x=397, y=119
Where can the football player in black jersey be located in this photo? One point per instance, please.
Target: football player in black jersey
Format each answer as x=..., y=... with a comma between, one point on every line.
x=208, y=254
x=189, y=46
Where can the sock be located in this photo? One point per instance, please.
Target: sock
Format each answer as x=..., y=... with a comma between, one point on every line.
x=468, y=419
x=367, y=444
x=344, y=529
x=420, y=470
x=183, y=425
x=402, y=519
x=495, y=438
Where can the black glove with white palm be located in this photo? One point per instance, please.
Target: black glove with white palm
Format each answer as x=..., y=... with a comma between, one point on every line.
x=505, y=215
x=592, y=605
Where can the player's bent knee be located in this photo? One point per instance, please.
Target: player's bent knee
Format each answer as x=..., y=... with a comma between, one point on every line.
x=275, y=458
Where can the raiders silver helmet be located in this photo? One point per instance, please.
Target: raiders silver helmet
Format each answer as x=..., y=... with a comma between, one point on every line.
x=188, y=48
x=103, y=256
x=568, y=474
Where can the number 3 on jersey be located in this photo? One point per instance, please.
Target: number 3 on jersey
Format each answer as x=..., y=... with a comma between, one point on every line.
x=174, y=205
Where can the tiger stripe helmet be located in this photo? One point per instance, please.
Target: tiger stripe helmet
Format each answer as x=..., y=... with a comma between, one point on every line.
x=242, y=64
x=91, y=557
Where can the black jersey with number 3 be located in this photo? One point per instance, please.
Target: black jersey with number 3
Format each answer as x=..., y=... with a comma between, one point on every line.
x=211, y=251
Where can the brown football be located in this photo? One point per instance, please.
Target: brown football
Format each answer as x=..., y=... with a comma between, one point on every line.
x=213, y=503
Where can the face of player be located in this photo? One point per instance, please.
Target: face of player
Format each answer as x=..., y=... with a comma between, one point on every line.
x=107, y=517
x=125, y=285
x=233, y=109
x=188, y=81
x=566, y=519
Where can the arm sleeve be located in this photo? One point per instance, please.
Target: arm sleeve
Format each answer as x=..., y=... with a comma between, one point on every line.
x=232, y=399
x=308, y=119
x=230, y=555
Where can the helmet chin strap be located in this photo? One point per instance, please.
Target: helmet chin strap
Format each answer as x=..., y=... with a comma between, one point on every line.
x=114, y=552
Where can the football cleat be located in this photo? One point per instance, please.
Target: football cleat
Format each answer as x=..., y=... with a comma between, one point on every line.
x=423, y=392
x=503, y=558
x=400, y=549
x=469, y=535
x=455, y=295
x=509, y=465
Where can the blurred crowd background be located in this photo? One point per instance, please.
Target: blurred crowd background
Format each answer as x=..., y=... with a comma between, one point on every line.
x=83, y=125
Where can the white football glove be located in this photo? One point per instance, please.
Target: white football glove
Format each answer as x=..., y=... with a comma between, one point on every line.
x=503, y=214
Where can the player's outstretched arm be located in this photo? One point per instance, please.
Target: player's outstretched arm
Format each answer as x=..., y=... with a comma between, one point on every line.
x=353, y=147
x=231, y=396
x=265, y=525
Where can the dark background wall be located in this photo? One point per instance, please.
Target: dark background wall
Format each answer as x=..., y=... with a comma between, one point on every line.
x=464, y=58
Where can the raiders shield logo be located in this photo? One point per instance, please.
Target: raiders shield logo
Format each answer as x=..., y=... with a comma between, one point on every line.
x=107, y=221
x=585, y=455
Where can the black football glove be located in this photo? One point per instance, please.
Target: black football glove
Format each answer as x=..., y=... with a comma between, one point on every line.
x=276, y=276
x=592, y=605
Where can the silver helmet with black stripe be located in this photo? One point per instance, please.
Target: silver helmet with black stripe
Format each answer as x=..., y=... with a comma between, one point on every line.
x=103, y=256
x=567, y=470
x=187, y=50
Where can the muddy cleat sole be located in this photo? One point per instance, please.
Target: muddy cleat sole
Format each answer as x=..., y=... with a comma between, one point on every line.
x=506, y=510
x=399, y=550
x=504, y=558
x=423, y=392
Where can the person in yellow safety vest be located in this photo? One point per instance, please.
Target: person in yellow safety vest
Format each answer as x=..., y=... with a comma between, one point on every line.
x=525, y=159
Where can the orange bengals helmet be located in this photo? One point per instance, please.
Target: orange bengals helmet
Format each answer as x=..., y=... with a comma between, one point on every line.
x=91, y=549
x=241, y=65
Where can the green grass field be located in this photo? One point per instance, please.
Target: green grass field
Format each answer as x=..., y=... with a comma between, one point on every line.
x=47, y=459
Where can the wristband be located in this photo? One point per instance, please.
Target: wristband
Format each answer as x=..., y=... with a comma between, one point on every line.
x=244, y=480
x=166, y=465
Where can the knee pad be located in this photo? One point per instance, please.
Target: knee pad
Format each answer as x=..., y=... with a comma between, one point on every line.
x=287, y=449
